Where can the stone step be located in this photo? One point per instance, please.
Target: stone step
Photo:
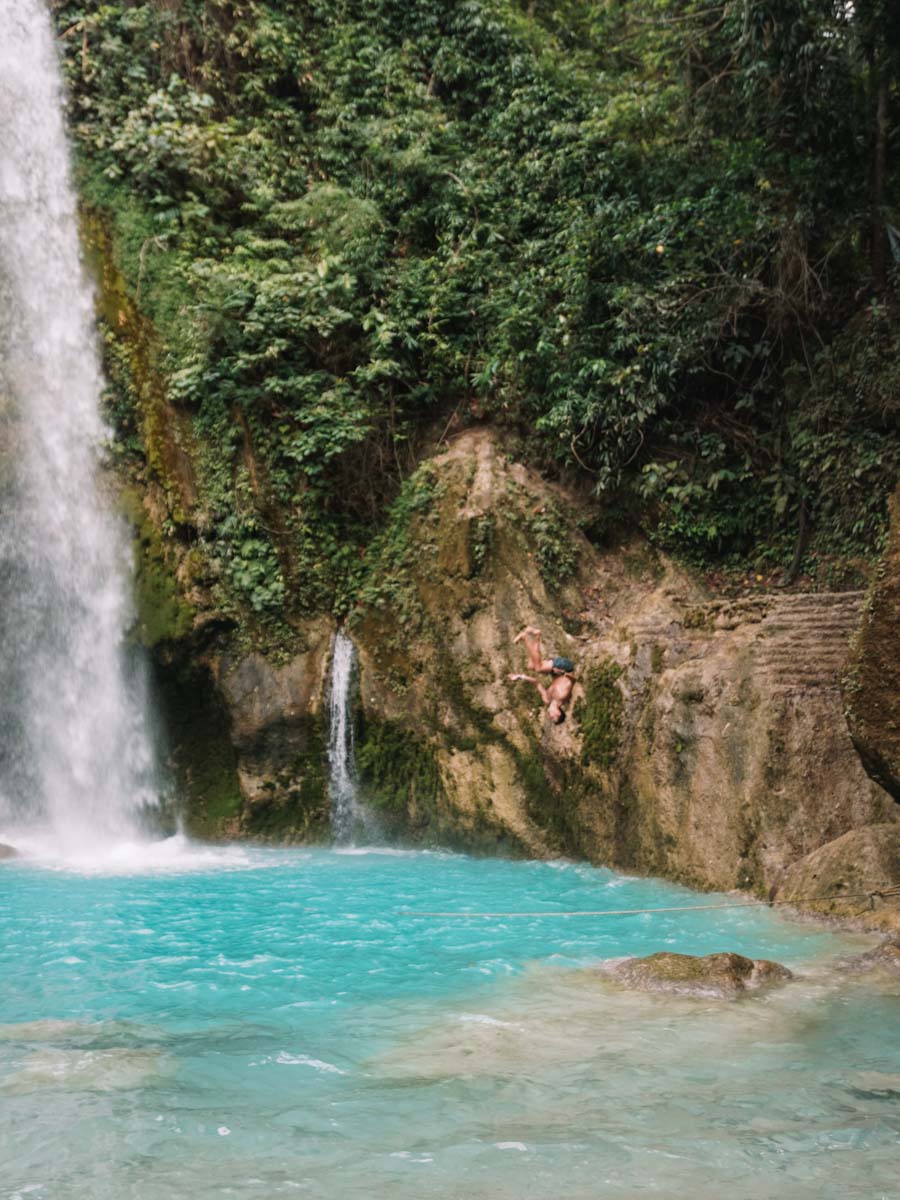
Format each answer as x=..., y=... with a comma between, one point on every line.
x=797, y=599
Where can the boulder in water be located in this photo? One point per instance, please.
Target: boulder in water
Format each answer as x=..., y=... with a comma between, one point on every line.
x=718, y=976
x=7, y=851
x=885, y=956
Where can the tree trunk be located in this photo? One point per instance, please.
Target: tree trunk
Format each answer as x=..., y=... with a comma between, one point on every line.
x=879, y=173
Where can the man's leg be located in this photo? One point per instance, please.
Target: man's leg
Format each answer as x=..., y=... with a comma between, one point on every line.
x=534, y=650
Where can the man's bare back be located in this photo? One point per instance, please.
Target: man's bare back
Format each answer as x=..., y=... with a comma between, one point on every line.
x=556, y=695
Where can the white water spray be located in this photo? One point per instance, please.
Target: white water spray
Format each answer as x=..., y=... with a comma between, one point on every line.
x=347, y=811
x=76, y=758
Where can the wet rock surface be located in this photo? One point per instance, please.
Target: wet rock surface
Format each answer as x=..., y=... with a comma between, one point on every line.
x=848, y=869
x=718, y=976
x=7, y=851
x=883, y=957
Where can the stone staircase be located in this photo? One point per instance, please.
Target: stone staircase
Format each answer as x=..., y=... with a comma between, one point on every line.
x=799, y=640
x=804, y=639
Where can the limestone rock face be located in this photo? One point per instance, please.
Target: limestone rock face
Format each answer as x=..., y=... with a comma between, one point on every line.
x=719, y=976
x=7, y=851
x=278, y=734
x=246, y=735
x=739, y=762
x=706, y=740
x=491, y=548
x=872, y=686
x=862, y=860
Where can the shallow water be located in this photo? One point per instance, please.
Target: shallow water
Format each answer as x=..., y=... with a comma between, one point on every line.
x=266, y=1023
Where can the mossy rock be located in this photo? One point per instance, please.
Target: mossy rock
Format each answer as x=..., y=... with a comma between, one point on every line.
x=202, y=758
x=293, y=803
x=400, y=776
x=162, y=613
x=599, y=715
x=718, y=976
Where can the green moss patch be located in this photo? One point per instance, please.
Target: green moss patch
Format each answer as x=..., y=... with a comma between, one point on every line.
x=399, y=773
x=599, y=715
x=162, y=613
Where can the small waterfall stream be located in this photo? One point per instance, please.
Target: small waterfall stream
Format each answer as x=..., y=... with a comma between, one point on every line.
x=76, y=757
x=348, y=814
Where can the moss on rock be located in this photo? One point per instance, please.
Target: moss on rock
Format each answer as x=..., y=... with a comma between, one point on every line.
x=600, y=715
x=161, y=610
x=293, y=804
x=201, y=756
x=399, y=773
x=719, y=976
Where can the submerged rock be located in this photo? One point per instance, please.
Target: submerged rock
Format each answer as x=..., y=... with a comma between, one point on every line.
x=885, y=956
x=721, y=976
x=7, y=851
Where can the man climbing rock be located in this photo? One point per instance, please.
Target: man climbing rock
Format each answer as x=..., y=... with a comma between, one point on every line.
x=559, y=691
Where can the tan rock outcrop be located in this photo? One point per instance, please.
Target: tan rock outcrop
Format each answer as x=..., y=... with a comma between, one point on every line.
x=861, y=861
x=740, y=761
x=872, y=685
x=885, y=957
x=706, y=741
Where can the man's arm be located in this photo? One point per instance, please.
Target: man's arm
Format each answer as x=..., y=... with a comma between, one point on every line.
x=545, y=695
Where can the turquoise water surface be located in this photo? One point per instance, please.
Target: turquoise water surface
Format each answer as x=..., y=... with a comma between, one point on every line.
x=266, y=1023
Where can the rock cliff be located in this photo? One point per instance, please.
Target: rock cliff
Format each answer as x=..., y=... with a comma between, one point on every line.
x=872, y=686
x=706, y=740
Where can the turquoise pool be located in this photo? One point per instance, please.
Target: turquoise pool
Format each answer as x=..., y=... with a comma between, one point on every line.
x=256, y=1023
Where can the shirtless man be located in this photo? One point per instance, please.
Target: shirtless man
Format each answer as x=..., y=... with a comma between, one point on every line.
x=557, y=695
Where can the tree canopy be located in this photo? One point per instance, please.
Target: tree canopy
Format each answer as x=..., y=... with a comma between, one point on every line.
x=649, y=237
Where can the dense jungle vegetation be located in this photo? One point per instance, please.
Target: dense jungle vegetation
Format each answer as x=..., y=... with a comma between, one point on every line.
x=651, y=238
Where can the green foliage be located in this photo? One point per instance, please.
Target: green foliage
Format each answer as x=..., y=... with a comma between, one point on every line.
x=554, y=546
x=599, y=715
x=640, y=232
x=480, y=541
x=391, y=558
x=162, y=614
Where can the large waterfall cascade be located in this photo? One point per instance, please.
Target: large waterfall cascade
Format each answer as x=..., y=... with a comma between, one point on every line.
x=348, y=814
x=76, y=756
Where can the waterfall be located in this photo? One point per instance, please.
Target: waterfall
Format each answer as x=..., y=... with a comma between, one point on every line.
x=76, y=758
x=347, y=812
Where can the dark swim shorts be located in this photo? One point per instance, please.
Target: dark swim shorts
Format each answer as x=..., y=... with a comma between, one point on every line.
x=563, y=664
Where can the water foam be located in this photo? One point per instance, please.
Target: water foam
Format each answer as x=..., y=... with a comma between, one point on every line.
x=172, y=855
